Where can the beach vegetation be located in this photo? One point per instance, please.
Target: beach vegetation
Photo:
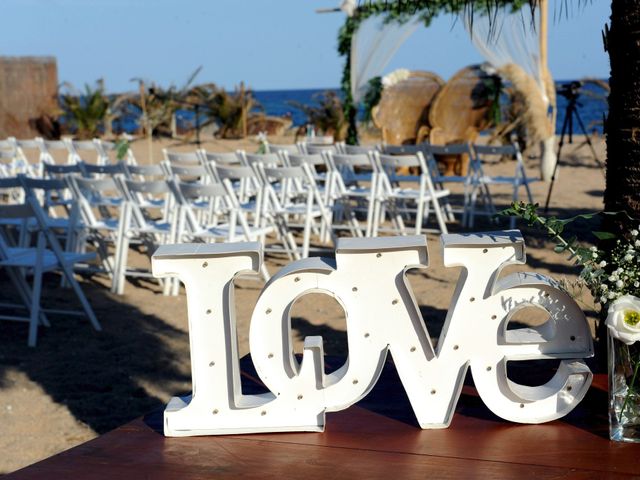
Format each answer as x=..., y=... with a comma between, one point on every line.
x=228, y=110
x=158, y=104
x=327, y=116
x=85, y=112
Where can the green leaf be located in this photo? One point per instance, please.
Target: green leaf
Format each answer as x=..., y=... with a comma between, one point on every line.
x=604, y=235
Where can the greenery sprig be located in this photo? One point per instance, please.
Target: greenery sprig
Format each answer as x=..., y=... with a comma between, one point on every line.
x=608, y=273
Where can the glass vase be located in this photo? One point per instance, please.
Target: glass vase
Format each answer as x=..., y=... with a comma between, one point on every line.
x=624, y=391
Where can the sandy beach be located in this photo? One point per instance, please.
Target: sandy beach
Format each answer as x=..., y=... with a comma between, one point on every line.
x=78, y=383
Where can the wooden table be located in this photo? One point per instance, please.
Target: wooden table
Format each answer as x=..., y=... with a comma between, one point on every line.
x=378, y=438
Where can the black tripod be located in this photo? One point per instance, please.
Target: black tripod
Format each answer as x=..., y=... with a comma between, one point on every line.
x=571, y=92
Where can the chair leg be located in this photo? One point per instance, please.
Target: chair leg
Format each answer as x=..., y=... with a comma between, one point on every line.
x=419, y=215
x=83, y=300
x=37, y=290
x=439, y=216
x=306, y=237
x=121, y=254
x=24, y=290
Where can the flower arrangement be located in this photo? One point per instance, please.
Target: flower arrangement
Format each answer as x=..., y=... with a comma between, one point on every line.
x=613, y=277
x=397, y=76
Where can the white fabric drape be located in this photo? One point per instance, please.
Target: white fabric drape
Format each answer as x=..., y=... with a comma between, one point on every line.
x=372, y=47
x=505, y=37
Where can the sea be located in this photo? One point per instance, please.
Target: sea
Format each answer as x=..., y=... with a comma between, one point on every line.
x=591, y=108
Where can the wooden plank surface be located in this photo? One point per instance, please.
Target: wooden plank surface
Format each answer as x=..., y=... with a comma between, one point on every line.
x=378, y=438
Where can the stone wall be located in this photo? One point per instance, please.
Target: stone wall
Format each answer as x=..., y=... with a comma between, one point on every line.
x=28, y=90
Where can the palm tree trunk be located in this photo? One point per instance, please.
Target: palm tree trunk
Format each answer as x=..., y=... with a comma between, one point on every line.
x=622, y=190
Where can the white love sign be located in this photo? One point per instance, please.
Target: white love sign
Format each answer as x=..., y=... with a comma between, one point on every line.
x=368, y=278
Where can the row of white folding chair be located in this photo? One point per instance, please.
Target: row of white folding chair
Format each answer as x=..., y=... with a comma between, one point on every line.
x=65, y=221
x=285, y=195
x=247, y=179
x=382, y=196
x=475, y=183
x=311, y=148
x=13, y=161
x=185, y=225
x=271, y=160
x=478, y=182
x=99, y=151
x=46, y=256
x=80, y=225
x=351, y=184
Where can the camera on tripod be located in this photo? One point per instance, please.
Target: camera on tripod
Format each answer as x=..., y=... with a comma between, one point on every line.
x=571, y=90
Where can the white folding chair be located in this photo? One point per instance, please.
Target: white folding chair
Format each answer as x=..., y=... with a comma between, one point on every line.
x=298, y=197
x=108, y=152
x=149, y=232
x=45, y=257
x=403, y=199
x=292, y=148
x=469, y=181
x=50, y=149
x=185, y=158
x=312, y=148
x=349, y=195
x=236, y=228
x=10, y=163
x=81, y=150
x=61, y=215
x=35, y=168
x=148, y=173
x=224, y=158
x=11, y=191
x=266, y=159
x=483, y=154
x=359, y=149
x=104, y=220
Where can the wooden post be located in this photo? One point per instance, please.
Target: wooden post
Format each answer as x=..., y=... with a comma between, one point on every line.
x=544, y=28
x=147, y=123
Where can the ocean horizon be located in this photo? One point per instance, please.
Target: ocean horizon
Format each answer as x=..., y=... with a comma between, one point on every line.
x=592, y=108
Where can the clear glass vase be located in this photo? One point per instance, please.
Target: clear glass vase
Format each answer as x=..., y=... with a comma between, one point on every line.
x=624, y=391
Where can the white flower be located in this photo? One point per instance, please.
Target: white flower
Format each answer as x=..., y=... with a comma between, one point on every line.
x=594, y=249
x=634, y=232
x=602, y=264
x=637, y=243
x=619, y=284
x=628, y=257
x=349, y=7
x=623, y=319
x=394, y=77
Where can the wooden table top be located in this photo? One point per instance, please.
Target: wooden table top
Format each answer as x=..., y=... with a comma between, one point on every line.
x=377, y=438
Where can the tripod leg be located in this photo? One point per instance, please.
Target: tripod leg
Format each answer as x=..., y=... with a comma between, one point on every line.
x=587, y=139
x=565, y=125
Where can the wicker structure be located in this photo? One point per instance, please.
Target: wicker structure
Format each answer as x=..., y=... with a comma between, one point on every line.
x=404, y=107
x=28, y=93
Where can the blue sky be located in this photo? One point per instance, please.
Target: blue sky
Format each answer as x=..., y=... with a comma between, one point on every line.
x=270, y=44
